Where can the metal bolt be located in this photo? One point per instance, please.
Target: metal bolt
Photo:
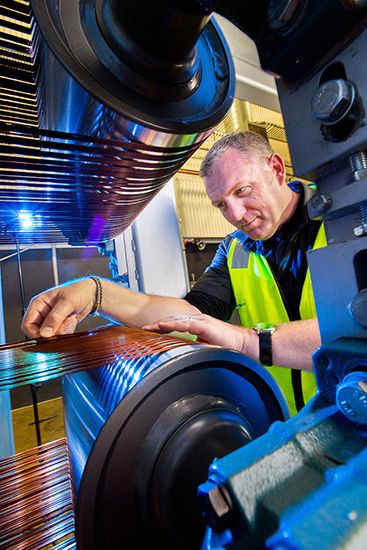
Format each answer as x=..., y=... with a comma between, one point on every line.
x=358, y=161
x=351, y=397
x=333, y=100
x=358, y=165
x=361, y=230
x=321, y=203
x=358, y=308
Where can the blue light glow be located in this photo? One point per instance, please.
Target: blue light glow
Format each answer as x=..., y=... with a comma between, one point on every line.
x=25, y=219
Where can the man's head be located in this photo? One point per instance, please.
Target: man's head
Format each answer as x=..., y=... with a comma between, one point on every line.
x=251, y=145
x=246, y=180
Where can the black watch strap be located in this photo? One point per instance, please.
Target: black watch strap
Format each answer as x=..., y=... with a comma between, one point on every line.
x=265, y=349
x=265, y=331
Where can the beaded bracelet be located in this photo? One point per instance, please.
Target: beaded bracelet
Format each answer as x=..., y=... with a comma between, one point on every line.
x=98, y=303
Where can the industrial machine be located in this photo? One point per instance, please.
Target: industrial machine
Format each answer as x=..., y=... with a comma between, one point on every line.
x=301, y=486
x=126, y=92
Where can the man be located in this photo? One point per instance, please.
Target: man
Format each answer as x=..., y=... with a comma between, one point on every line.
x=261, y=268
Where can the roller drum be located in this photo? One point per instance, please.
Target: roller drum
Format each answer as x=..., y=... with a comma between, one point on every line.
x=144, y=428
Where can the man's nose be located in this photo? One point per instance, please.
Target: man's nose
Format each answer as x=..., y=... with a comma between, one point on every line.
x=237, y=210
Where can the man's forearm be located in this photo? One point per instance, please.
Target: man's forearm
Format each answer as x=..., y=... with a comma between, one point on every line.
x=136, y=309
x=292, y=344
x=59, y=309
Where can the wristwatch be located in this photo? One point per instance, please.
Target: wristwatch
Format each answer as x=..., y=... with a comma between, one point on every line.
x=265, y=330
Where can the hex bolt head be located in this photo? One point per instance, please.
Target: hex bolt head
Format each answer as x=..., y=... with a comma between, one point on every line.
x=321, y=203
x=358, y=175
x=360, y=230
x=333, y=100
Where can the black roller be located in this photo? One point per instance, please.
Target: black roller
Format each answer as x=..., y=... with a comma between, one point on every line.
x=156, y=66
x=143, y=432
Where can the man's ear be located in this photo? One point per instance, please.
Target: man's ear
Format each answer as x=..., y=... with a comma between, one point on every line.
x=276, y=163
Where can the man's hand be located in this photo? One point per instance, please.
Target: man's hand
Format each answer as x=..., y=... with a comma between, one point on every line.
x=59, y=310
x=206, y=328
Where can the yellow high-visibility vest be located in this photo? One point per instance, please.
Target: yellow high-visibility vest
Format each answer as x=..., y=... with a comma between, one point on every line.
x=259, y=300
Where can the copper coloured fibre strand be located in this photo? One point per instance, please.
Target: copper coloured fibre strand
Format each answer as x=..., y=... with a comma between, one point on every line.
x=38, y=360
x=36, y=501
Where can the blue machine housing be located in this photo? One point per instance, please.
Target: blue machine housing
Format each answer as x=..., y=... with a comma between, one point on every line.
x=302, y=485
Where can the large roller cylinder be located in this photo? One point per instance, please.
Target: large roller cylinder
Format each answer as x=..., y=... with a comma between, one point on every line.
x=144, y=427
x=123, y=93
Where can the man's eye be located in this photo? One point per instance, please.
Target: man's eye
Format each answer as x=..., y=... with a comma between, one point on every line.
x=243, y=191
x=220, y=204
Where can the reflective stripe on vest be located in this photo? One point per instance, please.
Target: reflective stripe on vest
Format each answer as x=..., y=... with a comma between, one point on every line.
x=259, y=300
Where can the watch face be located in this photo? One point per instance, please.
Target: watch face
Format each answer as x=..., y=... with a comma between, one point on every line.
x=265, y=326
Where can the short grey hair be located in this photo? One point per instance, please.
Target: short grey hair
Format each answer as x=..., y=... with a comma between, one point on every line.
x=251, y=145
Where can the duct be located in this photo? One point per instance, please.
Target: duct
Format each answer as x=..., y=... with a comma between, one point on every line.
x=96, y=117
x=145, y=414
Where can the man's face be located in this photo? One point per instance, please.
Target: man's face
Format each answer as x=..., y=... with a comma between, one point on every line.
x=254, y=199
